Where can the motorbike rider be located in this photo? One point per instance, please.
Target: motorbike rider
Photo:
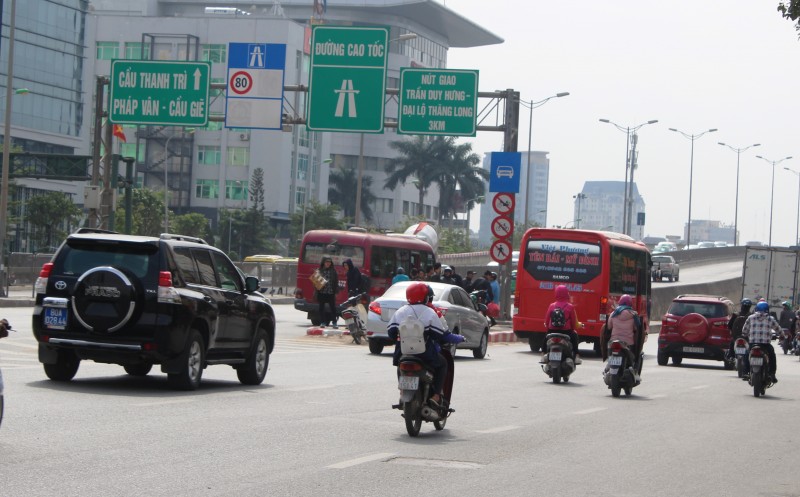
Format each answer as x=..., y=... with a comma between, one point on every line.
x=436, y=332
x=400, y=275
x=737, y=323
x=757, y=329
x=354, y=286
x=624, y=325
x=786, y=320
x=563, y=302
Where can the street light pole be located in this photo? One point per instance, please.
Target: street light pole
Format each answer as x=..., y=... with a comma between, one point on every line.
x=579, y=197
x=308, y=193
x=691, y=137
x=466, y=206
x=629, y=163
x=736, y=209
x=166, y=175
x=797, y=230
x=533, y=105
x=772, y=194
x=6, y=148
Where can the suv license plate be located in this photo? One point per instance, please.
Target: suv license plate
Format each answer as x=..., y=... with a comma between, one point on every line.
x=408, y=383
x=555, y=356
x=694, y=350
x=55, y=318
x=615, y=360
x=757, y=361
x=741, y=350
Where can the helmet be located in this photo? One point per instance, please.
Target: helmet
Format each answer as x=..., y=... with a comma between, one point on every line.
x=417, y=293
x=786, y=304
x=762, y=307
x=625, y=300
x=747, y=302
x=494, y=275
x=430, y=294
x=400, y=270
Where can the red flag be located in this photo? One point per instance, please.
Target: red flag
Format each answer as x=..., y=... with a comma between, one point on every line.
x=119, y=133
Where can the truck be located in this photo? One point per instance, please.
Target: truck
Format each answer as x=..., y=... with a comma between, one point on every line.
x=770, y=273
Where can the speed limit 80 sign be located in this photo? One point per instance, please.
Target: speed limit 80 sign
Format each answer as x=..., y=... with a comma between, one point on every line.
x=240, y=83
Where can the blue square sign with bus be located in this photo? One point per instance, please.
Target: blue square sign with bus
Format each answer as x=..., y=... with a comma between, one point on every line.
x=504, y=172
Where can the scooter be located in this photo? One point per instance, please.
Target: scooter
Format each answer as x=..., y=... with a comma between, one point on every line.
x=622, y=372
x=415, y=381
x=4, y=329
x=740, y=349
x=759, y=371
x=557, y=360
x=480, y=297
x=354, y=311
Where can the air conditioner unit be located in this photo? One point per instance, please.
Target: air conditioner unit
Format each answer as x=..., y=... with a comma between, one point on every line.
x=245, y=137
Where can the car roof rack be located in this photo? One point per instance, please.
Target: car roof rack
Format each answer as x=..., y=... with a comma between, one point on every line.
x=95, y=230
x=182, y=238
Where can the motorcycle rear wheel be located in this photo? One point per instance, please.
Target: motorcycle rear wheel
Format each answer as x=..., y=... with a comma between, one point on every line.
x=628, y=390
x=413, y=416
x=439, y=425
x=354, y=333
x=556, y=374
x=615, y=387
x=757, y=387
x=740, y=368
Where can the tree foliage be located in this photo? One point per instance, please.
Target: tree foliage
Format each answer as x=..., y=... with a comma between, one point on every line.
x=192, y=224
x=147, y=217
x=48, y=215
x=318, y=217
x=342, y=192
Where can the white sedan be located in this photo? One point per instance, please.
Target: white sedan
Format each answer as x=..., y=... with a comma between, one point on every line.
x=457, y=307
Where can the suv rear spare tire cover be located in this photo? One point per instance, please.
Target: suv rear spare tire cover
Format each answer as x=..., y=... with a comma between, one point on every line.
x=104, y=299
x=693, y=327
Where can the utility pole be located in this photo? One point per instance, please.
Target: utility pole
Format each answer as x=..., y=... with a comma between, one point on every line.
x=510, y=140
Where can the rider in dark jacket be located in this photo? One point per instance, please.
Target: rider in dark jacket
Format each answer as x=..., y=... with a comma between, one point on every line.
x=353, y=278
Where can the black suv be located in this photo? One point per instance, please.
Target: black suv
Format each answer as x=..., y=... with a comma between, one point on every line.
x=139, y=300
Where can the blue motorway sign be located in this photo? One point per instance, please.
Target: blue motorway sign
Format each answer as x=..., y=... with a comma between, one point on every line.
x=255, y=85
x=504, y=172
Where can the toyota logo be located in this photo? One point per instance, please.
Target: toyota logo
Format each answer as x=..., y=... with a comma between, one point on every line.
x=61, y=285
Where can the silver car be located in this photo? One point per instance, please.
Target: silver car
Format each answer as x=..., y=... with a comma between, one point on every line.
x=459, y=311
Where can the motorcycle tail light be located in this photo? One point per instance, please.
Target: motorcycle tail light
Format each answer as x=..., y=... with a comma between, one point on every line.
x=756, y=352
x=375, y=307
x=616, y=347
x=556, y=340
x=410, y=366
x=148, y=346
x=740, y=342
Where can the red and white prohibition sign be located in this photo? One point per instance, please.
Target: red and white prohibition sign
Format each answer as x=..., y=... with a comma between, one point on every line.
x=241, y=82
x=501, y=251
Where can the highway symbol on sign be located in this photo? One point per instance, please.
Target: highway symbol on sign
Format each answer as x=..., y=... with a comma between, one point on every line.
x=256, y=52
x=502, y=227
x=346, y=93
x=503, y=203
x=501, y=251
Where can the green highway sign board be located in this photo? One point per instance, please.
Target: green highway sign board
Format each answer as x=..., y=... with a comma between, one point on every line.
x=347, y=81
x=438, y=102
x=149, y=92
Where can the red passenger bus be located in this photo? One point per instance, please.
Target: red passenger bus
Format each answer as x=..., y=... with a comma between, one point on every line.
x=596, y=266
x=376, y=256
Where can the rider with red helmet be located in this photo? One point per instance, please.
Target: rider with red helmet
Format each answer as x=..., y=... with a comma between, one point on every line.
x=436, y=332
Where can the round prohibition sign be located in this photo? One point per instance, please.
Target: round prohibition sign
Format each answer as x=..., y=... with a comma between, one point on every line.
x=501, y=251
x=501, y=227
x=503, y=203
x=241, y=82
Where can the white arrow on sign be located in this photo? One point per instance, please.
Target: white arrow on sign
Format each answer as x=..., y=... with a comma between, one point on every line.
x=197, y=75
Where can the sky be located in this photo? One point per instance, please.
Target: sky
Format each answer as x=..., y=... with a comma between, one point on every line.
x=691, y=64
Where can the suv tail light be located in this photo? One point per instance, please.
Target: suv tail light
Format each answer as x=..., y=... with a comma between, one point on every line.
x=41, y=282
x=298, y=294
x=375, y=307
x=166, y=292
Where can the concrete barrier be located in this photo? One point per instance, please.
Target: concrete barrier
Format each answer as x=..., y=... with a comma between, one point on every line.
x=663, y=295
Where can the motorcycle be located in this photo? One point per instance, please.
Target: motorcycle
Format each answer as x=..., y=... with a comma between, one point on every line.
x=740, y=349
x=557, y=360
x=4, y=329
x=480, y=297
x=621, y=371
x=415, y=381
x=354, y=311
x=759, y=371
x=786, y=341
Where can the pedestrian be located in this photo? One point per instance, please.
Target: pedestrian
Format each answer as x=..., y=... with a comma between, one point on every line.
x=492, y=277
x=400, y=275
x=457, y=277
x=428, y=273
x=436, y=276
x=326, y=294
x=447, y=277
x=415, y=274
x=466, y=283
x=354, y=279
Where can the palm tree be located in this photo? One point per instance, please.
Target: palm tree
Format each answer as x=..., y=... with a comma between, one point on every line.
x=417, y=160
x=460, y=177
x=343, y=183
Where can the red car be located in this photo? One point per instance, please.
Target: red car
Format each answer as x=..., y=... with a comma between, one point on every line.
x=696, y=327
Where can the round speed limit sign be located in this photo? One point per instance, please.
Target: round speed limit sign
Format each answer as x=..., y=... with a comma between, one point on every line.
x=241, y=82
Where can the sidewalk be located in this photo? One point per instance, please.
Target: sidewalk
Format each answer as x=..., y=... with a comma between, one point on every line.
x=18, y=296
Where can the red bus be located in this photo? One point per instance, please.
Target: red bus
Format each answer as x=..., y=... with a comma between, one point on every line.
x=597, y=267
x=376, y=256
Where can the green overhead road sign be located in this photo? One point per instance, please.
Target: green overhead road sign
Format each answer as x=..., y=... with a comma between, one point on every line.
x=438, y=102
x=171, y=93
x=347, y=81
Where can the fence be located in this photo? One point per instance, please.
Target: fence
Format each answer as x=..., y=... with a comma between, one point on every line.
x=280, y=276
x=24, y=268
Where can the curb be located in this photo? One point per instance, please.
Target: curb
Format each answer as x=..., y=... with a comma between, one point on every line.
x=502, y=337
x=326, y=332
x=17, y=302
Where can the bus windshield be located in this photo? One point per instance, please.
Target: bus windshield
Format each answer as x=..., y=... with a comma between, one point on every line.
x=563, y=261
x=314, y=251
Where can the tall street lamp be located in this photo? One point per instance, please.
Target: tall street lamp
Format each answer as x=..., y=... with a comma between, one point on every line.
x=630, y=162
x=797, y=231
x=166, y=175
x=579, y=197
x=691, y=137
x=772, y=194
x=479, y=199
x=736, y=209
x=530, y=106
x=308, y=194
x=6, y=147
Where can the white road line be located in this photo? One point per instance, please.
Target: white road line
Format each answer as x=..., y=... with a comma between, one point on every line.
x=361, y=460
x=164, y=403
x=590, y=411
x=699, y=387
x=658, y=396
x=499, y=429
x=315, y=387
x=498, y=370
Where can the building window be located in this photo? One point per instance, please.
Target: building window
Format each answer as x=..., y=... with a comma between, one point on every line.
x=303, y=136
x=384, y=205
x=238, y=156
x=214, y=53
x=207, y=188
x=235, y=189
x=107, y=50
x=130, y=150
x=406, y=207
x=302, y=167
x=133, y=50
x=208, y=155
x=300, y=198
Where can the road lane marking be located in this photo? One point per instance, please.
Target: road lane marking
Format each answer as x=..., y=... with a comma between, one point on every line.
x=498, y=370
x=658, y=396
x=361, y=460
x=699, y=387
x=315, y=387
x=499, y=429
x=164, y=403
x=590, y=411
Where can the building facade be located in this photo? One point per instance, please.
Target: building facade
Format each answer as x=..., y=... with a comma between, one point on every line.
x=599, y=206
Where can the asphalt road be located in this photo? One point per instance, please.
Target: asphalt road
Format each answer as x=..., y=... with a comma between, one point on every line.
x=321, y=425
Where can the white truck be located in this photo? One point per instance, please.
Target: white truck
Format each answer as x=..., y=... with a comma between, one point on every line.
x=771, y=273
